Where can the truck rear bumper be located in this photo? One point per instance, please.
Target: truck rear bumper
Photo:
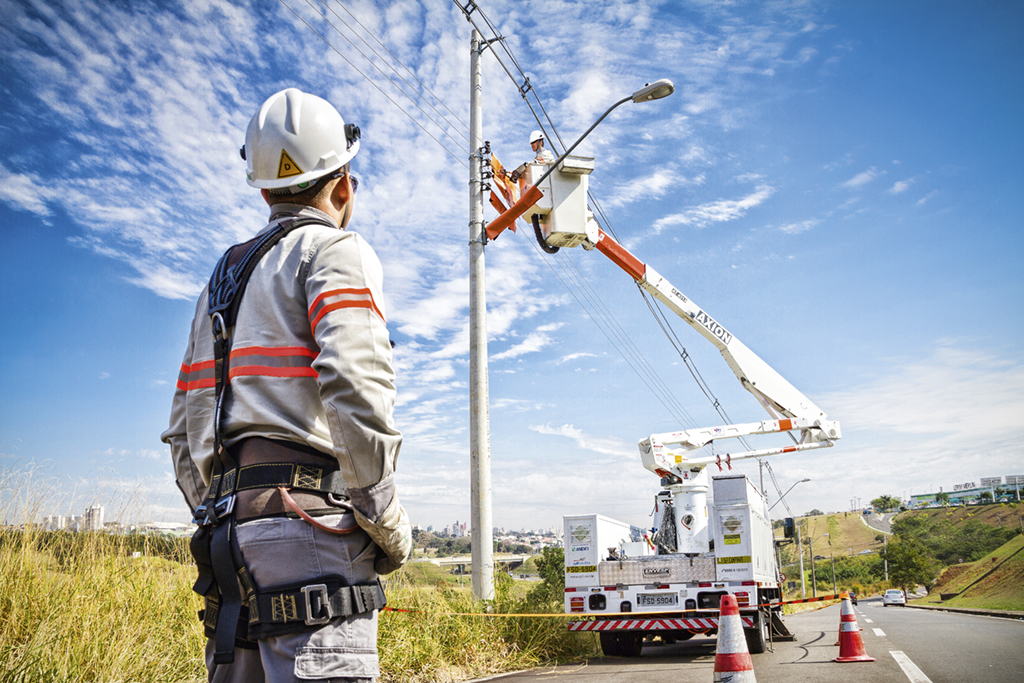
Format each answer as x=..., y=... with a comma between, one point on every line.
x=700, y=624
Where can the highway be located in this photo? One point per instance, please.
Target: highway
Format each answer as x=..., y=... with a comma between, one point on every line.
x=915, y=645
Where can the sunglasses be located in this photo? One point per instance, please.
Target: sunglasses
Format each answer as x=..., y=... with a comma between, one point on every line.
x=352, y=179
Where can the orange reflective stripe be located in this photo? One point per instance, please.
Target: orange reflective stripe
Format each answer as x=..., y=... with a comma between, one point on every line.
x=273, y=351
x=268, y=361
x=348, y=303
x=343, y=304
x=267, y=371
x=207, y=383
x=337, y=292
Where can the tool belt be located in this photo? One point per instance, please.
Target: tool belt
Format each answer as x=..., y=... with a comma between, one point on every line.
x=263, y=465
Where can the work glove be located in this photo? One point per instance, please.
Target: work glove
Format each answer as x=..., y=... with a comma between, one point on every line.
x=514, y=175
x=392, y=533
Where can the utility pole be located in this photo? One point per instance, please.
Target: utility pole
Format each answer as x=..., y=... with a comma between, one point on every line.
x=800, y=545
x=885, y=544
x=479, y=418
x=814, y=580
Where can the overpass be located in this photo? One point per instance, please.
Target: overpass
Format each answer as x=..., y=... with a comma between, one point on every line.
x=462, y=563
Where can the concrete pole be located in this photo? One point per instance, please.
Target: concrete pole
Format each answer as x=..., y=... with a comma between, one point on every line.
x=814, y=580
x=800, y=545
x=479, y=422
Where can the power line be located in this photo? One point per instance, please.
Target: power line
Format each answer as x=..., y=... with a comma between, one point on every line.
x=347, y=60
x=407, y=69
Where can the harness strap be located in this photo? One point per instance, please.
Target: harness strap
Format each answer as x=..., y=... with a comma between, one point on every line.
x=293, y=608
x=219, y=559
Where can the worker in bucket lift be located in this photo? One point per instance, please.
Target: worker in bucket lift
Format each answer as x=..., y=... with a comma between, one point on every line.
x=281, y=430
x=544, y=156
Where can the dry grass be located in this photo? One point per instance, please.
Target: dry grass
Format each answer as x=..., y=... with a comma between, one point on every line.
x=77, y=607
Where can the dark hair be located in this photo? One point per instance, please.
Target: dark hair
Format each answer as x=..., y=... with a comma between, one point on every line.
x=317, y=193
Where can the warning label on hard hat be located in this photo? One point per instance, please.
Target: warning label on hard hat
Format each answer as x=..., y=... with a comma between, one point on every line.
x=287, y=167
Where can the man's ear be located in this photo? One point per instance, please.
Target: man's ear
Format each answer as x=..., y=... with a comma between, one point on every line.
x=266, y=195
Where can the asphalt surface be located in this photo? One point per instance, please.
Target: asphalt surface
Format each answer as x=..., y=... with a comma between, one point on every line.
x=934, y=647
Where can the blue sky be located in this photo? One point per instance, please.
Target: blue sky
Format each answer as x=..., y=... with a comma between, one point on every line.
x=839, y=184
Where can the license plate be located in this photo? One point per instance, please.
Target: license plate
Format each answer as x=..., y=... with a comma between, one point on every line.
x=657, y=599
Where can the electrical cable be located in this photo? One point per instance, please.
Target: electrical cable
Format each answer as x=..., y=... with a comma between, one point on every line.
x=388, y=97
x=395, y=57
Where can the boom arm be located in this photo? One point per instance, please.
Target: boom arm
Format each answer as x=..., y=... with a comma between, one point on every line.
x=561, y=207
x=790, y=410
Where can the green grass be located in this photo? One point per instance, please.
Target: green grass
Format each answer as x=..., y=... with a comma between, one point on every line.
x=1002, y=589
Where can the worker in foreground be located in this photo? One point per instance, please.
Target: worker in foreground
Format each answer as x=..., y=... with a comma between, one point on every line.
x=543, y=155
x=281, y=428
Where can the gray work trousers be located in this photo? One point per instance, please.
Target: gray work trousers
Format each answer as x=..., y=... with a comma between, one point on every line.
x=282, y=551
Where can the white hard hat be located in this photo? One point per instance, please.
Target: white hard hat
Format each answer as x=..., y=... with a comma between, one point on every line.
x=535, y=136
x=294, y=139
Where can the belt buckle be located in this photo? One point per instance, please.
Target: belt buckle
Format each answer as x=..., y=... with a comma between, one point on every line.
x=199, y=516
x=224, y=506
x=324, y=603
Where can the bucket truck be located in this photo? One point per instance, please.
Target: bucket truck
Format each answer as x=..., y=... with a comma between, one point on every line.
x=615, y=571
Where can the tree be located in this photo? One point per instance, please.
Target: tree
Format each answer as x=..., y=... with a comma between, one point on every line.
x=986, y=496
x=551, y=567
x=814, y=513
x=886, y=503
x=909, y=564
x=942, y=498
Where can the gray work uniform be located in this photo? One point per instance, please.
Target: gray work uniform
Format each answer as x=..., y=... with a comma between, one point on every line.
x=310, y=364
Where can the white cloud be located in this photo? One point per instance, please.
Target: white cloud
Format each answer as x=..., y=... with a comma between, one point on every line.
x=599, y=444
x=574, y=356
x=797, y=228
x=861, y=179
x=901, y=186
x=652, y=186
x=719, y=211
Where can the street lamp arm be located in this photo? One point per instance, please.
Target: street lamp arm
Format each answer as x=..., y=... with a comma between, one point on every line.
x=554, y=165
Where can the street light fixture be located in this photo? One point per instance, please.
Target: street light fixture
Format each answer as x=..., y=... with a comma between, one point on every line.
x=786, y=494
x=652, y=91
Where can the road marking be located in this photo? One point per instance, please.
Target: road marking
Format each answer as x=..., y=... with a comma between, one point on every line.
x=914, y=675
x=879, y=632
x=868, y=621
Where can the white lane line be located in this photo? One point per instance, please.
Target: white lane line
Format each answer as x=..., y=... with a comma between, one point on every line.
x=868, y=621
x=879, y=632
x=914, y=675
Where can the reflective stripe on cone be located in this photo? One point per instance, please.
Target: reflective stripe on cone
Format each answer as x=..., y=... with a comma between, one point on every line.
x=732, y=659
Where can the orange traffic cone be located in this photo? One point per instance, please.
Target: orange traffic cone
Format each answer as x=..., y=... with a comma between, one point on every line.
x=732, y=659
x=851, y=645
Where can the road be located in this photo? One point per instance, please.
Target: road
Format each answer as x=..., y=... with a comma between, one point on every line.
x=879, y=522
x=944, y=647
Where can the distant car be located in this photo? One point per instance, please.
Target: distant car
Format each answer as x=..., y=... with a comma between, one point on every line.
x=853, y=597
x=894, y=596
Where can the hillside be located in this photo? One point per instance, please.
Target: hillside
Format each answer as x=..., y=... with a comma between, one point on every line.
x=1006, y=515
x=846, y=531
x=996, y=581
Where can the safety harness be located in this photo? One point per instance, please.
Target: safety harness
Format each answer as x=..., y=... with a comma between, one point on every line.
x=237, y=612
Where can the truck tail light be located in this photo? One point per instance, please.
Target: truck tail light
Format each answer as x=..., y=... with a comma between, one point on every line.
x=576, y=604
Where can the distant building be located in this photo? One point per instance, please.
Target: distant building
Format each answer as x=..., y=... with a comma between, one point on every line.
x=92, y=520
x=54, y=522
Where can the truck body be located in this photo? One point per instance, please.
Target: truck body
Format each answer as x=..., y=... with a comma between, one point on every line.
x=613, y=570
